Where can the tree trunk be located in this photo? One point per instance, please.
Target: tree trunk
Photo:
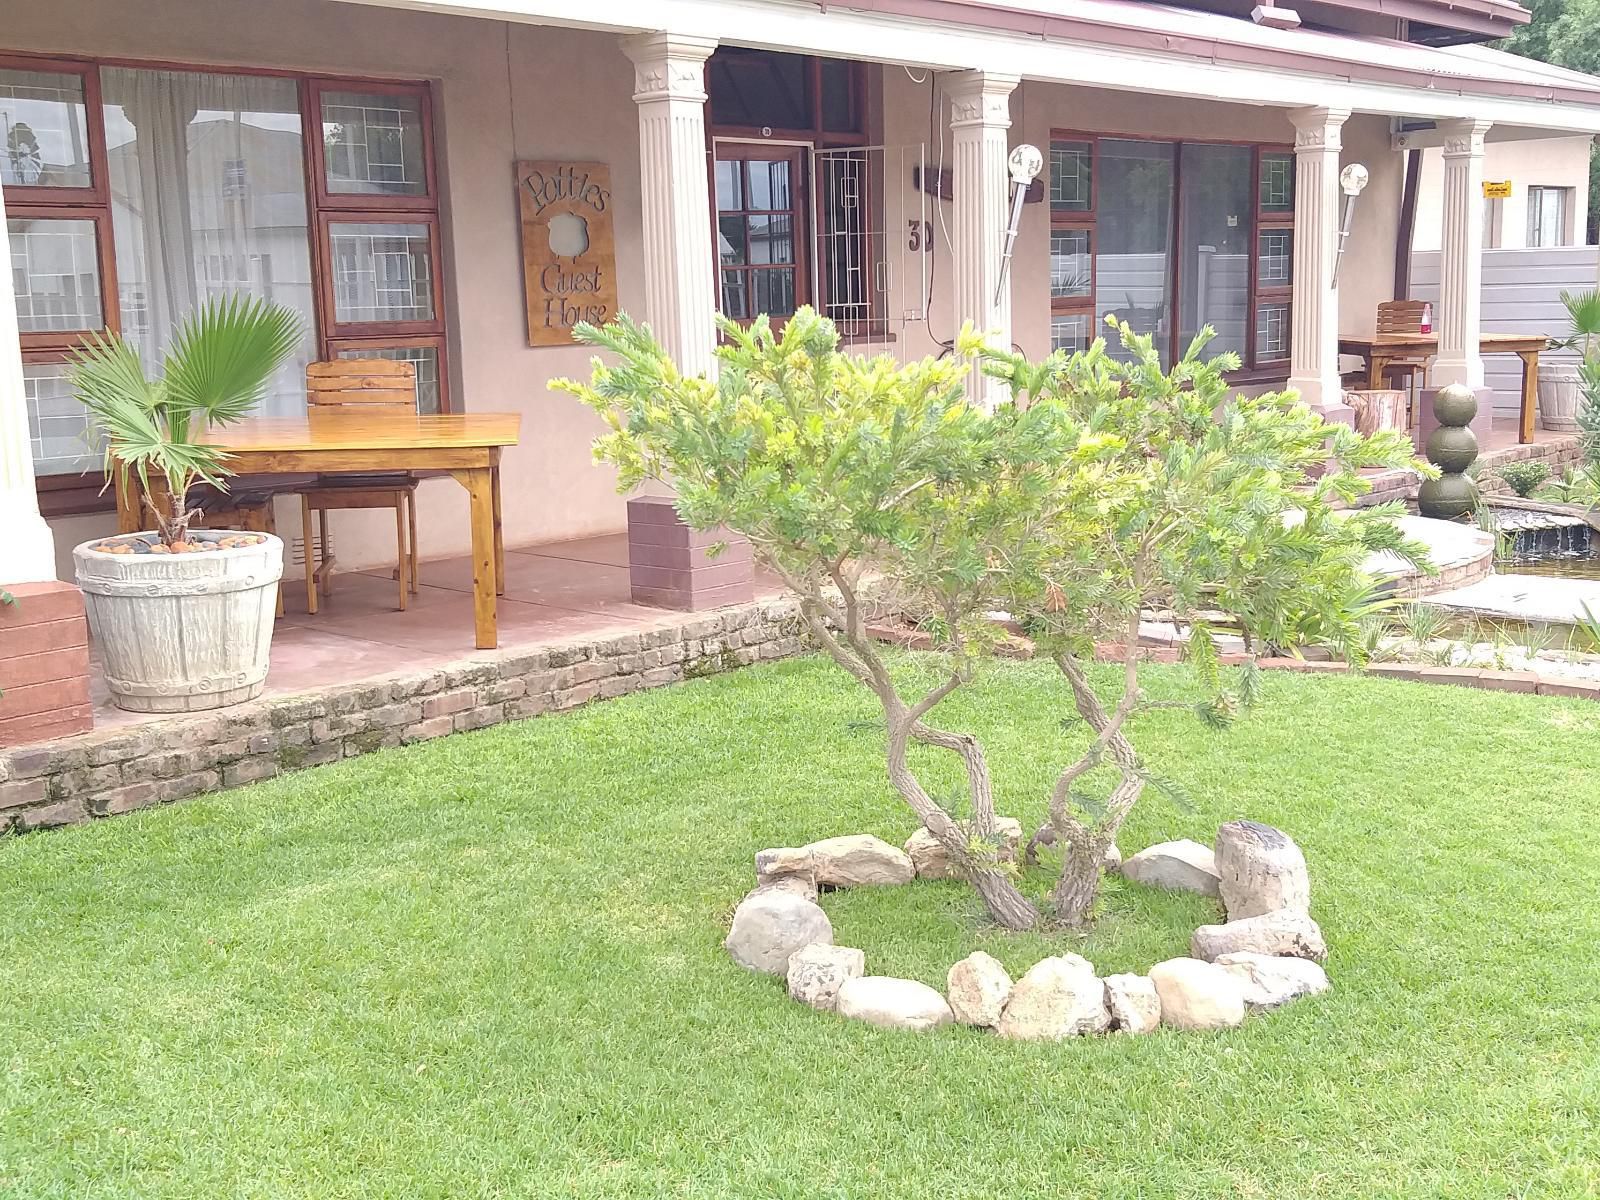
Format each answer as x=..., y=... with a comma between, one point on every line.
x=1079, y=885
x=1006, y=904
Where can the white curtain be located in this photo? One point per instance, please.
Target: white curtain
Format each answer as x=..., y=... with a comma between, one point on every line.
x=208, y=198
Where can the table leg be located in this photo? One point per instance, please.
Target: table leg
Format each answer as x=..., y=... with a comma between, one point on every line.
x=479, y=483
x=499, y=535
x=1375, y=365
x=1530, y=394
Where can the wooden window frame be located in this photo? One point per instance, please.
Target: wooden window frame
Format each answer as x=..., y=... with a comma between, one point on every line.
x=62, y=495
x=1266, y=221
x=809, y=251
x=799, y=234
x=1254, y=368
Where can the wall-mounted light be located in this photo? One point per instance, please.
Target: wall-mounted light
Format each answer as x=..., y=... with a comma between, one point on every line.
x=1024, y=164
x=1352, y=181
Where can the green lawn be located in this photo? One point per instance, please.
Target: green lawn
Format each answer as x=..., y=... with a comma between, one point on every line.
x=490, y=966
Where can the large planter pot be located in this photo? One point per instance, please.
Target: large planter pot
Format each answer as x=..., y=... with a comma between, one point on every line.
x=1560, y=392
x=182, y=632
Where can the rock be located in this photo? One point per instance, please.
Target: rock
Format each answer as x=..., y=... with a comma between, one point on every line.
x=1058, y=998
x=931, y=861
x=1260, y=869
x=769, y=925
x=803, y=886
x=1198, y=995
x=1133, y=1002
x=1181, y=866
x=817, y=971
x=1270, y=981
x=785, y=862
x=1111, y=860
x=978, y=987
x=860, y=860
x=892, y=1003
x=1284, y=933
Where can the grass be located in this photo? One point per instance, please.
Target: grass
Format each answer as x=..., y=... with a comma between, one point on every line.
x=490, y=967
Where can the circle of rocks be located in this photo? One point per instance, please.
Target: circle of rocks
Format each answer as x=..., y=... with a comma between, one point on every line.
x=1266, y=953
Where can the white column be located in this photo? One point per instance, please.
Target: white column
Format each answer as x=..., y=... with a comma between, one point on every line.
x=1314, y=305
x=1461, y=256
x=980, y=115
x=679, y=271
x=27, y=549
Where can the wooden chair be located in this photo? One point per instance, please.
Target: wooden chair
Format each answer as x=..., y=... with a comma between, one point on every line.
x=370, y=385
x=1404, y=318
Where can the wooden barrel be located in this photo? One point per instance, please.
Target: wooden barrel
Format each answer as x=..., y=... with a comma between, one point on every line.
x=182, y=632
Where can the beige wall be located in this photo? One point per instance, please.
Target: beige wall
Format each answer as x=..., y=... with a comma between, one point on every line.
x=564, y=92
x=1535, y=162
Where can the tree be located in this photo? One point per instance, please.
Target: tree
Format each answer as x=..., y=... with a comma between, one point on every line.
x=1105, y=489
x=1566, y=33
x=1205, y=504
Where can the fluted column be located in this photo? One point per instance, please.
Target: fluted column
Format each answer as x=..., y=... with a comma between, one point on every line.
x=1314, y=305
x=980, y=115
x=679, y=272
x=27, y=549
x=1461, y=256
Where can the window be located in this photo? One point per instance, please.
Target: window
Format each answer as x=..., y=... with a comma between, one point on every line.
x=1547, y=216
x=134, y=194
x=794, y=188
x=1171, y=237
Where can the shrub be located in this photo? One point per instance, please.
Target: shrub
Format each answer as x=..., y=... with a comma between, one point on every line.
x=1524, y=478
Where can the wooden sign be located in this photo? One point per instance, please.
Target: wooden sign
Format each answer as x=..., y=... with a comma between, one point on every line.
x=1493, y=190
x=569, y=250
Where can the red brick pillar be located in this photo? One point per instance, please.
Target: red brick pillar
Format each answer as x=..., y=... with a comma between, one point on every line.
x=44, y=663
x=668, y=563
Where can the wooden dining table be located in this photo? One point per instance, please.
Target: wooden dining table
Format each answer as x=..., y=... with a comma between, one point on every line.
x=1381, y=350
x=467, y=446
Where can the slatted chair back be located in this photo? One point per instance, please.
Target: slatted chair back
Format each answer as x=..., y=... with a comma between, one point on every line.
x=370, y=384
x=1400, y=317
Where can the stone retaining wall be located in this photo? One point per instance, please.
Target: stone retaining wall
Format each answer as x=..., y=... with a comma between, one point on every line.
x=103, y=774
x=1559, y=454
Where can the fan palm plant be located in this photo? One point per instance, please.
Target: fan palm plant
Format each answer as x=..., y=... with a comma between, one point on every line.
x=214, y=372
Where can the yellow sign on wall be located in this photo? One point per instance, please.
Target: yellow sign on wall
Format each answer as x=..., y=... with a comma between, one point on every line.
x=1493, y=190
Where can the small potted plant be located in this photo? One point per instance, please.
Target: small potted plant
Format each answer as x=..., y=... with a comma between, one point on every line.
x=1560, y=383
x=183, y=616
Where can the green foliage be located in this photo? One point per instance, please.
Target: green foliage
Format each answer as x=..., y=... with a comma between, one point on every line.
x=1524, y=478
x=214, y=373
x=1573, y=487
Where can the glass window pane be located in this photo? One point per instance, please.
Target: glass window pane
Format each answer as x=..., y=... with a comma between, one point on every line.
x=1214, y=249
x=839, y=113
x=1272, y=332
x=759, y=88
x=55, y=274
x=1071, y=176
x=46, y=128
x=381, y=271
x=1275, y=260
x=771, y=239
x=58, y=426
x=1277, y=182
x=426, y=359
x=773, y=291
x=1133, y=261
x=733, y=295
x=1069, y=332
x=730, y=185
x=208, y=200
x=1069, y=262
x=730, y=241
x=372, y=142
x=769, y=184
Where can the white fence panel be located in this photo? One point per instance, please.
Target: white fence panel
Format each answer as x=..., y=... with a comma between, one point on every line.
x=1521, y=294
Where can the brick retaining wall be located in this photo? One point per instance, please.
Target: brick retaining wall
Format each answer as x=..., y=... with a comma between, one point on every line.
x=135, y=766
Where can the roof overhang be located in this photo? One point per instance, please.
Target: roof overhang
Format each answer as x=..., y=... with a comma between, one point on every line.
x=1111, y=44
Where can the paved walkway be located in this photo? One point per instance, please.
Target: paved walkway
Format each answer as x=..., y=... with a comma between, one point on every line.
x=1531, y=598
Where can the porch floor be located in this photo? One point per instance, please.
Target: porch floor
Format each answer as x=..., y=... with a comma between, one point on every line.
x=554, y=593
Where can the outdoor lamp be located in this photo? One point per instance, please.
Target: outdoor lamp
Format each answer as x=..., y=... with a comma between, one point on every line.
x=1024, y=164
x=1351, y=181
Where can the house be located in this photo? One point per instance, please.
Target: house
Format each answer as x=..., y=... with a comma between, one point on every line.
x=358, y=160
x=1548, y=202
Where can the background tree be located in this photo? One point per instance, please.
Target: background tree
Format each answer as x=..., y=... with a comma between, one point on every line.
x=1566, y=33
